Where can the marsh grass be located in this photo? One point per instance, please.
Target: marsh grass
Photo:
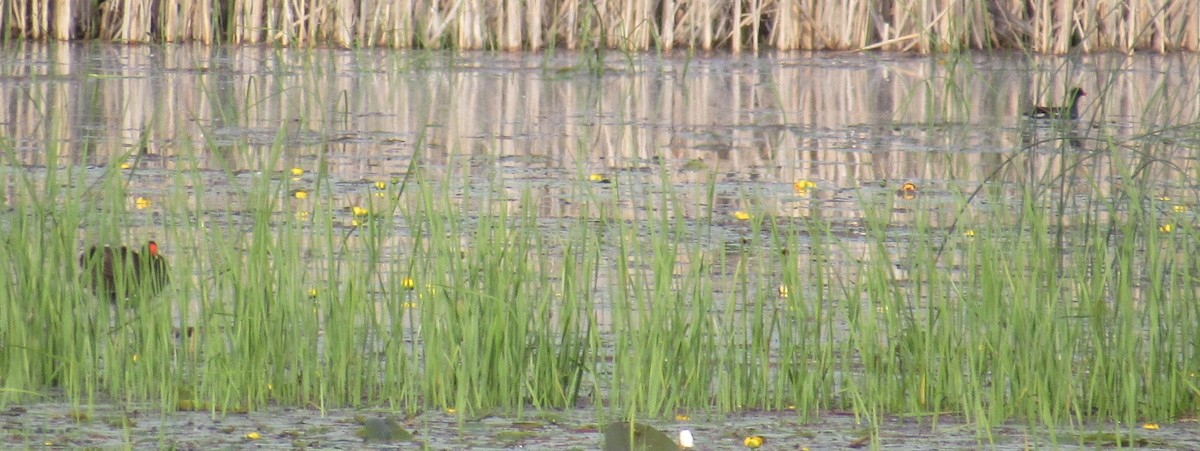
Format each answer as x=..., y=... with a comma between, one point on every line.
x=897, y=25
x=453, y=291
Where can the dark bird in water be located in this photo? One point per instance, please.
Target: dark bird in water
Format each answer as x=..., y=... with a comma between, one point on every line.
x=111, y=272
x=1068, y=111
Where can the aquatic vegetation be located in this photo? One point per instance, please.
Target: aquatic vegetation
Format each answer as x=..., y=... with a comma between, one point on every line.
x=486, y=281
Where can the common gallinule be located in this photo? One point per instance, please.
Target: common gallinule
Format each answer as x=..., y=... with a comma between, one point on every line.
x=1068, y=111
x=110, y=272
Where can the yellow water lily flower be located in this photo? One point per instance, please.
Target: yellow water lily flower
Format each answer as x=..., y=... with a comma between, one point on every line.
x=802, y=186
x=381, y=185
x=1179, y=208
x=296, y=172
x=126, y=165
x=253, y=436
x=312, y=292
x=1150, y=426
x=741, y=215
x=360, y=211
x=408, y=283
x=753, y=441
x=969, y=233
x=1165, y=228
x=142, y=203
x=598, y=178
x=300, y=194
x=908, y=190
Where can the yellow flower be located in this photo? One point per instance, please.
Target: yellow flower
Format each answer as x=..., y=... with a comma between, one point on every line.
x=783, y=291
x=1150, y=426
x=598, y=178
x=300, y=194
x=360, y=211
x=253, y=436
x=408, y=283
x=135, y=358
x=302, y=215
x=682, y=417
x=970, y=233
x=753, y=441
x=312, y=292
x=141, y=203
x=408, y=305
x=1165, y=198
x=908, y=190
x=802, y=186
x=451, y=410
x=355, y=223
x=126, y=165
x=1165, y=228
x=1179, y=209
x=380, y=194
x=381, y=185
x=741, y=215
x=296, y=172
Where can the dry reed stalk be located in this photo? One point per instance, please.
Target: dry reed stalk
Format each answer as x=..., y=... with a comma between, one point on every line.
x=900, y=17
x=1054, y=26
x=404, y=26
x=201, y=22
x=1064, y=12
x=534, y=9
x=708, y=35
x=373, y=14
x=41, y=18
x=61, y=28
x=343, y=23
x=168, y=21
x=512, y=30
x=667, y=26
x=735, y=32
x=756, y=9
x=463, y=26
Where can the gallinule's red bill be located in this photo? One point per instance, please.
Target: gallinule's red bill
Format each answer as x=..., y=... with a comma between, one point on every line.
x=107, y=271
x=1068, y=111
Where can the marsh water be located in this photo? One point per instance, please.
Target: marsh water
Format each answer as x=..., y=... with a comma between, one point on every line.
x=858, y=126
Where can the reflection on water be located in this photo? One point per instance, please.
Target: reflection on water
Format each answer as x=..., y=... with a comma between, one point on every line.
x=842, y=119
x=857, y=126
x=851, y=123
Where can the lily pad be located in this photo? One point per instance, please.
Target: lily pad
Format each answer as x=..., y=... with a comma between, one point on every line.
x=384, y=430
x=623, y=436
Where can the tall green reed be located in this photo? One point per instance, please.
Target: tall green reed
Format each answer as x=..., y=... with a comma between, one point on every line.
x=449, y=288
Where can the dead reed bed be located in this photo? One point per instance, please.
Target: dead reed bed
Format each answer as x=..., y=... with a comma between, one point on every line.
x=628, y=25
